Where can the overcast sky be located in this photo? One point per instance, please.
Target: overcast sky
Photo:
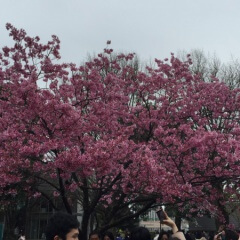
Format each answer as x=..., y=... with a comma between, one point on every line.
x=151, y=28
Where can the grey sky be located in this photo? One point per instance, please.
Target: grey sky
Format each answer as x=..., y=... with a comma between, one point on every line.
x=151, y=28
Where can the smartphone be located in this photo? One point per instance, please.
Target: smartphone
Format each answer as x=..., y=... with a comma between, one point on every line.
x=160, y=214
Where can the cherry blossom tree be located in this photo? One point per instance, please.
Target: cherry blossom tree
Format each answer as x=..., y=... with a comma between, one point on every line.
x=73, y=136
x=108, y=136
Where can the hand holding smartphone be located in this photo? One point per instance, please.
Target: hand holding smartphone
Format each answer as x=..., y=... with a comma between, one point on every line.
x=165, y=219
x=161, y=215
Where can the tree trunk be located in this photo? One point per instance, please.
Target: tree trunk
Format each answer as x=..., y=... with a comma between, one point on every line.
x=10, y=223
x=178, y=219
x=84, y=225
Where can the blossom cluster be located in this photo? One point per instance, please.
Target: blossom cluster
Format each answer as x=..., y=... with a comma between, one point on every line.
x=109, y=127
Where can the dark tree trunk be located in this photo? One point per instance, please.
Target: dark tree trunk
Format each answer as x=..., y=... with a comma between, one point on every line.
x=10, y=223
x=84, y=225
x=178, y=219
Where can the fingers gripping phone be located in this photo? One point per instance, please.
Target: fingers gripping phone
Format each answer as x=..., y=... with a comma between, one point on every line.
x=161, y=214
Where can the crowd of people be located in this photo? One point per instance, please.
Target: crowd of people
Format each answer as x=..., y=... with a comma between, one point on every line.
x=223, y=233
x=63, y=226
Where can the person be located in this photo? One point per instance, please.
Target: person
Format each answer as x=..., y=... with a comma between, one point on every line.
x=126, y=235
x=62, y=226
x=163, y=235
x=119, y=237
x=177, y=235
x=226, y=234
x=190, y=236
x=220, y=235
x=108, y=236
x=94, y=235
x=140, y=233
x=231, y=235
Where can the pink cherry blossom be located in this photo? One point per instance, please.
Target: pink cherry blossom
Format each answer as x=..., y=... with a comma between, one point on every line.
x=105, y=133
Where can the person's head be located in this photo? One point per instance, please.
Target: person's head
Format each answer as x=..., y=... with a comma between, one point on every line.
x=108, y=236
x=94, y=236
x=62, y=226
x=163, y=236
x=140, y=233
x=221, y=228
x=231, y=235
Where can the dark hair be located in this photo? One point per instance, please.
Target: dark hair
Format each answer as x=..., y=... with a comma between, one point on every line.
x=61, y=224
x=94, y=233
x=231, y=235
x=109, y=234
x=163, y=233
x=140, y=233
